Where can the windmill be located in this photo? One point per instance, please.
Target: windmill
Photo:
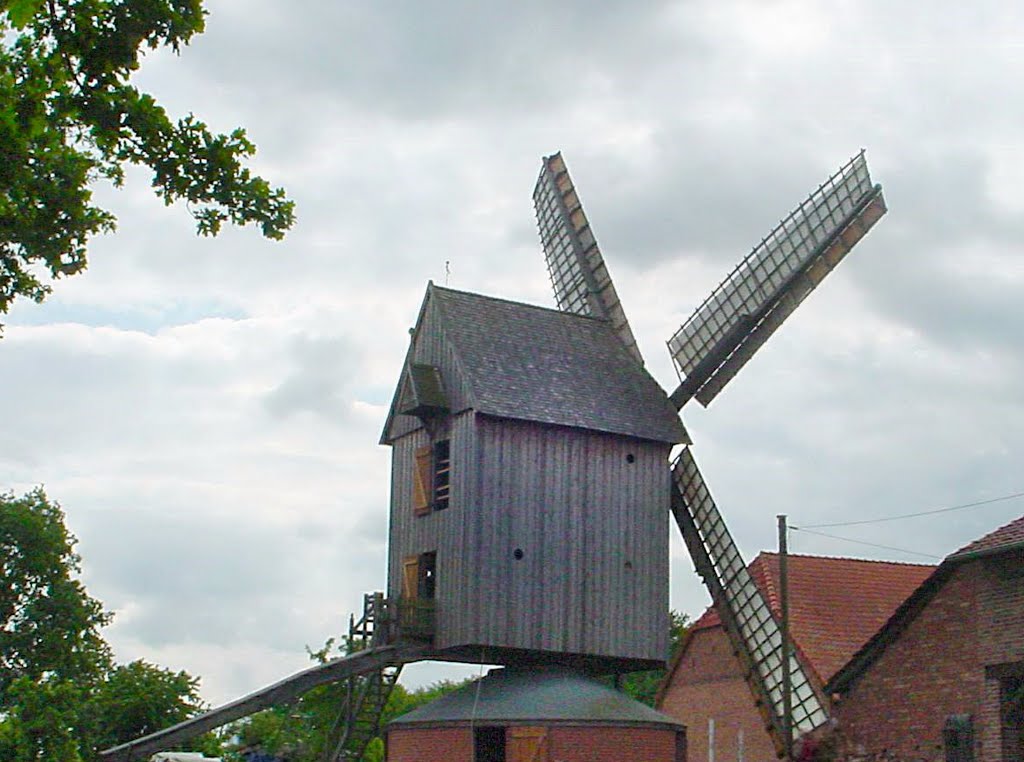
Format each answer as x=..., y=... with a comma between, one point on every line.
x=530, y=494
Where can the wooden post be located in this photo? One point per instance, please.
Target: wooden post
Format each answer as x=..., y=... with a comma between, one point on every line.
x=787, y=678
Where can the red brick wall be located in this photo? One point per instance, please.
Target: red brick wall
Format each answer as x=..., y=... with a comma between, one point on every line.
x=579, y=744
x=710, y=685
x=565, y=744
x=430, y=745
x=932, y=670
x=1001, y=609
x=1000, y=634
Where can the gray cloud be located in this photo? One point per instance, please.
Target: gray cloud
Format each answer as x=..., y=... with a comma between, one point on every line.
x=324, y=369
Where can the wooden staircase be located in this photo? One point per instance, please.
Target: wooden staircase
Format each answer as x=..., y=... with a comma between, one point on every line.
x=367, y=694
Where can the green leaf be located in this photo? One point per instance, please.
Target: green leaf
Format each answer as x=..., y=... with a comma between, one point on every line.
x=69, y=115
x=21, y=11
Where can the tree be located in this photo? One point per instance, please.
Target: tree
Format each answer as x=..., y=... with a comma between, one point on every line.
x=69, y=116
x=137, y=699
x=61, y=696
x=40, y=721
x=49, y=625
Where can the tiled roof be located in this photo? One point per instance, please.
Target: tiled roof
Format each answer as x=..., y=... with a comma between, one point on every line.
x=835, y=604
x=538, y=364
x=1006, y=536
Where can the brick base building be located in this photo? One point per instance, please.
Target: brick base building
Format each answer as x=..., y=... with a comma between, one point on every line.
x=537, y=714
x=918, y=664
x=945, y=675
x=836, y=605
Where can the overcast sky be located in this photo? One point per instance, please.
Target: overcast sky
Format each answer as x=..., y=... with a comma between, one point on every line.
x=207, y=410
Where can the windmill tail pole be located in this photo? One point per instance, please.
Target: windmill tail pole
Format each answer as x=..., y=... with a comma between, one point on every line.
x=787, y=676
x=282, y=692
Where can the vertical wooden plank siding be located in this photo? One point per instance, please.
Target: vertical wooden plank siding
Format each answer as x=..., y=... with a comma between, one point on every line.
x=593, y=531
x=592, y=528
x=443, y=532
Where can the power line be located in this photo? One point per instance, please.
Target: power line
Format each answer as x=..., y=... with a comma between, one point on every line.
x=862, y=542
x=961, y=507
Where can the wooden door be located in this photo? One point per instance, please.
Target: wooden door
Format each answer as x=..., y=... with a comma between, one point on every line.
x=526, y=744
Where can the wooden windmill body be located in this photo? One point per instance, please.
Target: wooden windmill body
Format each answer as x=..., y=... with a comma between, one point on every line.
x=531, y=489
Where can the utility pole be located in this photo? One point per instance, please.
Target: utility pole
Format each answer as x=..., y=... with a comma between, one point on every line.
x=787, y=678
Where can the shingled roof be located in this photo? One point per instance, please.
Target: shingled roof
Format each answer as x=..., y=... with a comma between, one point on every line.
x=531, y=363
x=835, y=604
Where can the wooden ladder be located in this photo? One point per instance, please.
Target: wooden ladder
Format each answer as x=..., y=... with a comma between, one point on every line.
x=366, y=695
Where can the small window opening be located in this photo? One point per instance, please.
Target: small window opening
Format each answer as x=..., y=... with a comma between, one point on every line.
x=442, y=474
x=427, y=582
x=488, y=744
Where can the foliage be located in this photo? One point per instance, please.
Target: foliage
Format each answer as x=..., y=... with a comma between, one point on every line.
x=61, y=696
x=41, y=721
x=69, y=116
x=136, y=699
x=48, y=623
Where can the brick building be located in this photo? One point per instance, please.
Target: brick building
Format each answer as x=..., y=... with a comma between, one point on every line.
x=950, y=659
x=535, y=714
x=836, y=605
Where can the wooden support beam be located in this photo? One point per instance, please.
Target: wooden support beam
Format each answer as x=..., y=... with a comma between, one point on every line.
x=282, y=692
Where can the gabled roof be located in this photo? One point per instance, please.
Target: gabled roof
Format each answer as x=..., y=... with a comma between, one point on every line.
x=835, y=604
x=1006, y=537
x=1005, y=540
x=531, y=363
x=535, y=694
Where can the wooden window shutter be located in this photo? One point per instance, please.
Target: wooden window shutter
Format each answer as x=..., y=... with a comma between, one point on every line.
x=423, y=481
x=527, y=744
x=410, y=578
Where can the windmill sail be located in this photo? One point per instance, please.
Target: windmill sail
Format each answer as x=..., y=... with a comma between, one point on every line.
x=752, y=629
x=746, y=308
x=579, y=276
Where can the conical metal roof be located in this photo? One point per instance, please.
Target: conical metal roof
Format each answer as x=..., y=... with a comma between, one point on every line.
x=535, y=695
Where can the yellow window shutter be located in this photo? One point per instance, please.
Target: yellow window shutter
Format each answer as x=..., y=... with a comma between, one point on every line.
x=527, y=744
x=423, y=481
x=410, y=577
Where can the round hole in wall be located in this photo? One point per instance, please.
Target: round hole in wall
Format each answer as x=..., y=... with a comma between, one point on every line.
x=517, y=554
x=630, y=458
